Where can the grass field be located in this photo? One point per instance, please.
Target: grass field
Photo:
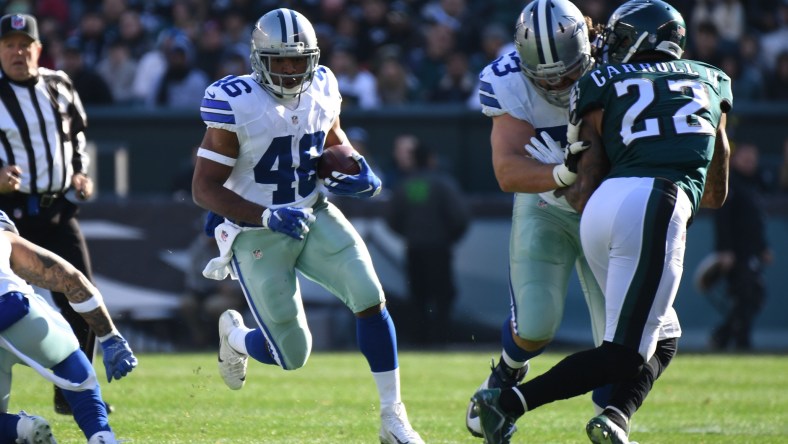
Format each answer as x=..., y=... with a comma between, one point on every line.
x=180, y=398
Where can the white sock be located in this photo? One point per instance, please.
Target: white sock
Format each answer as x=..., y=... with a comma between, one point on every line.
x=388, y=387
x=511, y=362
x=237, y=339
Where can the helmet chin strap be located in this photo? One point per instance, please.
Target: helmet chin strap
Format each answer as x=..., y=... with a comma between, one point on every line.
x=633, y=49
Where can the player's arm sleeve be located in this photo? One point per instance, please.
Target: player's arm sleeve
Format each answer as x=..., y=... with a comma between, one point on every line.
x=216, y=109
x=499, y=95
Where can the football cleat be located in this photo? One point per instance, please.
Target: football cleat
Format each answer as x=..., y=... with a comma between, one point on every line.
x=103, y=438
x=498, y=379
x=232, y=365
x=602, y=430
x=395, y=427
x=33, y=430
x=497, y=427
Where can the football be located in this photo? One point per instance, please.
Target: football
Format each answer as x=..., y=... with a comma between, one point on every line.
x=337, y=158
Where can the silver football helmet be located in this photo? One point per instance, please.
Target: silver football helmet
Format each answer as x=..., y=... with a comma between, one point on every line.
x=283, y=33
x=551, y=38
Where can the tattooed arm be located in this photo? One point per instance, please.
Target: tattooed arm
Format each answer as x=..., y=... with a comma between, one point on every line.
x=45, y=269
x=716, y=190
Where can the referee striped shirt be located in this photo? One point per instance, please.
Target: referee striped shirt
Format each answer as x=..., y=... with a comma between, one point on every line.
x=42, y=123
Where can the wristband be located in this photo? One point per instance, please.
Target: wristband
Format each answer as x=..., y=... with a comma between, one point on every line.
x=109, y=335
x=89, y=305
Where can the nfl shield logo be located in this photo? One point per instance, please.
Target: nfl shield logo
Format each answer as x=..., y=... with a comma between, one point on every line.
x=17, y=22
x=224, y=236
x=294, y=119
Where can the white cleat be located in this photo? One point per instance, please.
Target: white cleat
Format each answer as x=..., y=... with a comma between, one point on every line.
x=33, y=430
x=232, y=365
x=103, y=438
x=395, y=427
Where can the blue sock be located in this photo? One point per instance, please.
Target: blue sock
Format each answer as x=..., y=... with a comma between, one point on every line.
x=8, y=427
x=90, y=413
x=512, y=349
x=257, y=347
x=377, y=340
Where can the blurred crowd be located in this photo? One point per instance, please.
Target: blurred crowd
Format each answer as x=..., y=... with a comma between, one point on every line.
x=163, y=53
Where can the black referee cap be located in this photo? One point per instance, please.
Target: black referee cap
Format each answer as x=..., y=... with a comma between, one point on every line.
x=22, y=23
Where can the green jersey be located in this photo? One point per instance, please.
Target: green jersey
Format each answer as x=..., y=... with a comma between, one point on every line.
x=660, y=119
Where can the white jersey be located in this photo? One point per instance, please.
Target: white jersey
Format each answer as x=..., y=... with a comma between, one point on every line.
x=280, y=140
x=504, y=89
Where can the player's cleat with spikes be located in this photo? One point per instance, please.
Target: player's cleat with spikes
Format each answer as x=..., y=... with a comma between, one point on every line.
x=103, y=438
x=497, y=426
x=499, y=378
x=395, y=427
x=33, y=430
x=602, y=430
x=232, y=365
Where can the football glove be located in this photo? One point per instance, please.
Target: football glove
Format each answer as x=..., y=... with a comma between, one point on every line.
x=292, y=221
x=565, y=173
x=363, y=184
x=119, y=360
x=548, y=152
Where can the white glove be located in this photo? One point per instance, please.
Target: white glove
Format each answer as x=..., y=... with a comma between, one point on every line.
x=548, y=152
x=565, y=173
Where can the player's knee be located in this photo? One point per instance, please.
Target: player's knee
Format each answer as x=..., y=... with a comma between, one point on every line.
x=621, y=362
x=295, y=345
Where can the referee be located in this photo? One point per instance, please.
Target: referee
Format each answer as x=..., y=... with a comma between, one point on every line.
x=42, y=156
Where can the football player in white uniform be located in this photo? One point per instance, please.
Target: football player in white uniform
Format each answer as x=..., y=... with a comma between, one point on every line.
x=526, y=93
x=33, y=334
x=256, y=167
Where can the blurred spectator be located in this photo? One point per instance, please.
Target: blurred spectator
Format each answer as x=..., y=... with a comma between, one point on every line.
x=133, y=34
x=92, y=88
x=210, y=48
x=402, y=160
x=746, y=87
x=233, y=64
x=783, y=180
x=182, y=85
x=705, y=46
x=457, y=83
x=118, y=69
x=152, y=65
x=457, y=16
x=429, y=211
x=742, y=249
x=238, y=30
x=357, y=85
x=373, y=30
x=777, y=80
x=429, y=64
x=396, y=86
x=91, y=37
x=727, y=15
x=775, y=41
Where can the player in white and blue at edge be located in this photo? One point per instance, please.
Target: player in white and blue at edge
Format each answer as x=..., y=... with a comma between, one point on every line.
x=33, y=334
x=526, y=93
x=256, y=167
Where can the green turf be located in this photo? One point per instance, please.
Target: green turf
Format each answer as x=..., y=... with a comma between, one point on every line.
x=180, y=398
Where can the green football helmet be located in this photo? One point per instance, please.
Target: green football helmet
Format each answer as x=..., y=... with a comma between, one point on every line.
x=640, y=26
